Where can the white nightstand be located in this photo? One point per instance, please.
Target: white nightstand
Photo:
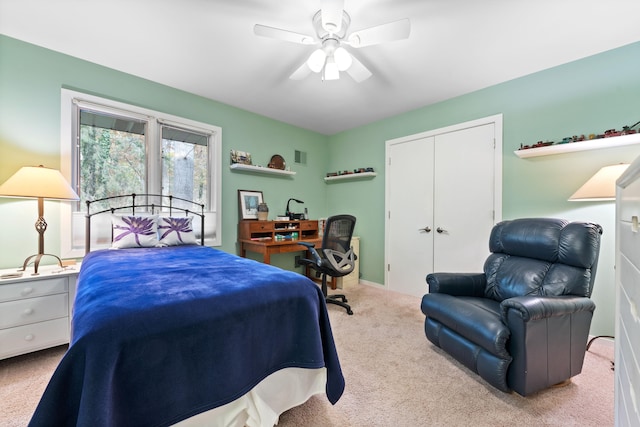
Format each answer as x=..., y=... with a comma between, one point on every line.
x=35, y=311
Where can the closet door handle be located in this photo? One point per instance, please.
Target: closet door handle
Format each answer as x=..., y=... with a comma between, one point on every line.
x=441, y=230
x=427, y=229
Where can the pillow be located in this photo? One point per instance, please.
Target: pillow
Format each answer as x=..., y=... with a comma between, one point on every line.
x=176, y=231
x=134, y=231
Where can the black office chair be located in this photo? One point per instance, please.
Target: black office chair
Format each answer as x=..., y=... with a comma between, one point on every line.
x=336, y=257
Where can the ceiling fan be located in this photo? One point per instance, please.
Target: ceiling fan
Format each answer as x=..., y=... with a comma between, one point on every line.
x=331, y=24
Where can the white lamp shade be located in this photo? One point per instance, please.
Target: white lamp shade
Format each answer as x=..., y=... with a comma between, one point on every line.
x=601, y=186
x=343, y=59
x=38, y=181
x=316, y=60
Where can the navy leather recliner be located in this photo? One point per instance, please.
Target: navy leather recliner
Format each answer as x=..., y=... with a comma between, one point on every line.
x=523, y=324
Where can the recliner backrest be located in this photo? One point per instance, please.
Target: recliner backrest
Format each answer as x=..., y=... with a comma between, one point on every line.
x=542, y=256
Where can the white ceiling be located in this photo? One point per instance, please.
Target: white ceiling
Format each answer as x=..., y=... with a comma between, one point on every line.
x=207, y=47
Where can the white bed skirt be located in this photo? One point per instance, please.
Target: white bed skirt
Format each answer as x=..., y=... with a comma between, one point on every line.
x=262, y=406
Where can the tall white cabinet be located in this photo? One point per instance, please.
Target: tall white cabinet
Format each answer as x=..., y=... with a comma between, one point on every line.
x=627, y=342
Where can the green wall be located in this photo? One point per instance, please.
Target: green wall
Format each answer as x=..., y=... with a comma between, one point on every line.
x=585, y=96
x=30, y=81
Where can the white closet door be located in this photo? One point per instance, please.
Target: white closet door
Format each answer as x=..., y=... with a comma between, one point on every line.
x=463, y=198
x=409, y=244
x=443, y=181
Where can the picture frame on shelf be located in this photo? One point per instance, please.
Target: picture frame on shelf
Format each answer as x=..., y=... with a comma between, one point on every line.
x=248, y=201
x=241, y=157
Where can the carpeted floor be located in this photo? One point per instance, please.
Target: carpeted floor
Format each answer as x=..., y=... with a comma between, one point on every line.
x=394, y=377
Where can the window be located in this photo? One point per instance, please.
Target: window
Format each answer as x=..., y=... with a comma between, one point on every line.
x=112, y=156
x=109, y=148
x=184, y=164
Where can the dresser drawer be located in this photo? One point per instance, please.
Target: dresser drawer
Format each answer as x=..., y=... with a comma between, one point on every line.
x=23, y=339
x=33, y=288
x=33, y=310
x=629, y=203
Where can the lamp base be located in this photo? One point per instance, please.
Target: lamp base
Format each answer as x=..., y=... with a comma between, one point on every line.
x=36, y=262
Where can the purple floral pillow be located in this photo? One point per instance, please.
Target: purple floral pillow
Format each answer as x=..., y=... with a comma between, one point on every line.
x=134, y=231
x=176, y=231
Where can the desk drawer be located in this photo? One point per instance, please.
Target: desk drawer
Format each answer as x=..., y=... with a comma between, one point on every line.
x=36, y=336
x=309, y=225
x=33, y=288
x=260, y=226
x=33, y=310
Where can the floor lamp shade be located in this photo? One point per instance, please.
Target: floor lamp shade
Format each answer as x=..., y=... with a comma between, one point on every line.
x=601, y=186
x=40, y=183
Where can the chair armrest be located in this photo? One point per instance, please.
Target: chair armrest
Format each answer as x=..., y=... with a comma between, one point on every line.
x=314, y=254
x=457, y=284
x=537, y=307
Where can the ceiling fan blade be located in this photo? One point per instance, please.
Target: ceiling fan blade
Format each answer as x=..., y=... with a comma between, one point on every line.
x=358, y=71
x=397, y=30
x=301, y=73
x=331, y=11
x=279, y=34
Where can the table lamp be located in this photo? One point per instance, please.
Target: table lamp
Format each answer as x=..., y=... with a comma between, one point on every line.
x=40, y=183
x=600, y=187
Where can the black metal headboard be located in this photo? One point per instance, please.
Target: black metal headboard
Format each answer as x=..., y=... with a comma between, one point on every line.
x=165, y=202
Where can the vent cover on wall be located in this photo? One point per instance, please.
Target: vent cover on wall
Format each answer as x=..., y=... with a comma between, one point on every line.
x=301, y=157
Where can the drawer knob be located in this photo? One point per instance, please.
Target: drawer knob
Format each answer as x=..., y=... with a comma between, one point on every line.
x=29, y=337
x=27, y=291
x=27, y=311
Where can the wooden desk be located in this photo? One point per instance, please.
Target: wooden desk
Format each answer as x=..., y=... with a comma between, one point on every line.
x=277, y=237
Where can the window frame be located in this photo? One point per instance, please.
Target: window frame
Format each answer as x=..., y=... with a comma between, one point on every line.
x=72, y=101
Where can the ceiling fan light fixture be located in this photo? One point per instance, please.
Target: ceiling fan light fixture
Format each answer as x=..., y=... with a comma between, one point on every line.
x=316, y=60
x=331, y=71
x=342, y=58
x=331, y=14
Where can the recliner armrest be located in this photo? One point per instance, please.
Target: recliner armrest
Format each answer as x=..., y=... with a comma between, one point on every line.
x=540, y=307
x=457, y=284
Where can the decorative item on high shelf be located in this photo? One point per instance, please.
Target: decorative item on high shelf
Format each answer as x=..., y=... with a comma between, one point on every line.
x=242, y=157
x=263, y=212
x=347, y=172
x=277, y=162
x=626, y=130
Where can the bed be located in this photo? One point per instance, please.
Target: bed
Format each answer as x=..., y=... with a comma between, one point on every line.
x=189, y=335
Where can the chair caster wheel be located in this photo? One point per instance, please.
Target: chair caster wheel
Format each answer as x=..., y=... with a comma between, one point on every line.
x=350, y=312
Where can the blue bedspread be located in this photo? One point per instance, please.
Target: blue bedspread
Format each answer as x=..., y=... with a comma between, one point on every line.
x=161, y=334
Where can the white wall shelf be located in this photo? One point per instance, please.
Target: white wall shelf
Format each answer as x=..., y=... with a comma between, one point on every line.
x=591, y=144
x=352, y=176
x=238, y=167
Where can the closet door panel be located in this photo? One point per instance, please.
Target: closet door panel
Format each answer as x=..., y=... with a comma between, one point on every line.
x=409, y=243
x=463, y=198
